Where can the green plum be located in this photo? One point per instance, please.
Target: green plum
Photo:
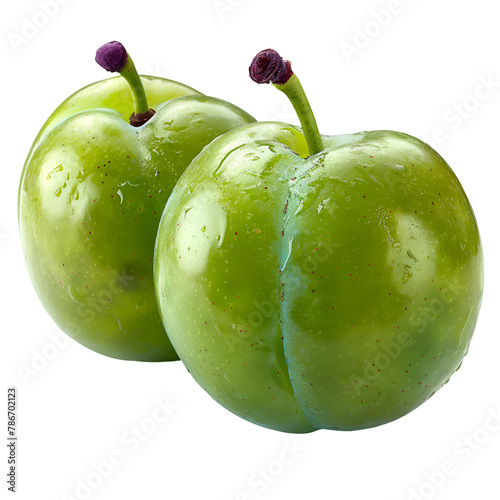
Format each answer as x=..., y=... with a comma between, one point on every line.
x=320, y=282
x=91, y=195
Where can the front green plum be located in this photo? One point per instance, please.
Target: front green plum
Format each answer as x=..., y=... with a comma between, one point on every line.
x=90, y=200
x=337, y=290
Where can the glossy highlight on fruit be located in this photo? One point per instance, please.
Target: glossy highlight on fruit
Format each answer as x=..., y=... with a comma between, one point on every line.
x=90, y=199
x=320, y=281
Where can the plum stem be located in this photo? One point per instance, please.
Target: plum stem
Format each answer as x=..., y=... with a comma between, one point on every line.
x=269, y=67
x=130, y=74
x=113, y=57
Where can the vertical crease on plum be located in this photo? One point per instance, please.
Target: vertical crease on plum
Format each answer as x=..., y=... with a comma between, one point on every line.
x=281, y=284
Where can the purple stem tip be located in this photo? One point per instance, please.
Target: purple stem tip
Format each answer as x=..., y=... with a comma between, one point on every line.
x=269, y=67
x=112, y=56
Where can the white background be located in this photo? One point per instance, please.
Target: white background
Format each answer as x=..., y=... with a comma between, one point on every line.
x=418, y=67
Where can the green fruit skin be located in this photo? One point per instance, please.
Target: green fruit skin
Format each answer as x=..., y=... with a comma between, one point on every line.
x=339, y=291
x=90, y=199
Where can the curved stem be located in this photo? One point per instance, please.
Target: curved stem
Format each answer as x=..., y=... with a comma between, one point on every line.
x=112, y=56
x=130, y=74
x=294, y=91
x=269, y=67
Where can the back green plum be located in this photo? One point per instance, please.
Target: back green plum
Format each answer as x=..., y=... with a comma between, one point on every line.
x=90, y=199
